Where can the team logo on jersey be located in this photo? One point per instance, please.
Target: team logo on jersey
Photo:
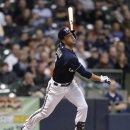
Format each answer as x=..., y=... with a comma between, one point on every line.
x=71, y=70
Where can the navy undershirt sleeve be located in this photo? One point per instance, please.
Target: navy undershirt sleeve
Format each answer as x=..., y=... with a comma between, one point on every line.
x=82, y=71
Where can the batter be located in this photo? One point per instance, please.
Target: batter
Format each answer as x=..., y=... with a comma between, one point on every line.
x=63, y=84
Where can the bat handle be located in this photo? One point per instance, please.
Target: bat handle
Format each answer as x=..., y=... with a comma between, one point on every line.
x=71, y=25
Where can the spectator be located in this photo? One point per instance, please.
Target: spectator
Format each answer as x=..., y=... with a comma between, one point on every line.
x=50, y=68
x=126, y=41
x=97, y=14
x=12, y=58
x=87, y=4
x=20, y=6
x=34, y=20
x=10, y=28
x=103, y=62
x=101, y=42
x=2, y=19
x=124, y=8
x=120, y=48
x=6, y=9
x=126, y=36
x=115, y=99
x=116, y=33
x=41, y=79
x=53, y=55
x=81, y=16
x=80, y=36
x=39, y=38
x=97, y=27
x=31, y=54
x=123, y=65
x=7, y=77
x=44, y=58
x=117, y=17
x=117, y=4
x=3, y=39
x=41, y=11
x=81, y=50
x=21, y=67
x=126, y=22
x=89, y=41
x=31, y=44
x=23, y=19
x=24, y=39
x=70, y=3
x=29, y=3
x=32, y=64
x=108, y=36
x=112, y=55
x=127, y=110
x=60, y=13
x=49, y=45
x=81, y=53
x=39, y=50
x=81, y=28
x=94, y=59
x=28, y=88
x=49, y=30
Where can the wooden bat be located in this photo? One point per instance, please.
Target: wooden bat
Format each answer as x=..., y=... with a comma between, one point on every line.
x=70, y=14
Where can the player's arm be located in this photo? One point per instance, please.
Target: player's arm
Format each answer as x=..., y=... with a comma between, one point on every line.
x=82, y=71
x=76, y=66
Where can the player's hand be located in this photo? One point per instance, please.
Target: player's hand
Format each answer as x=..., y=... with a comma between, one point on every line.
x=105, y=79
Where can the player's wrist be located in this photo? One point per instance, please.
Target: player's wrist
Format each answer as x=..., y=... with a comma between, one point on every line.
x=102, y=78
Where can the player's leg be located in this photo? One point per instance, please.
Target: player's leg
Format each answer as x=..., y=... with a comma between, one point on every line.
x=53, y=97
x=76, y=97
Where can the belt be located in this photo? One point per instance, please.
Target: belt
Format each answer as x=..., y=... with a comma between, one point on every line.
x=62, y=85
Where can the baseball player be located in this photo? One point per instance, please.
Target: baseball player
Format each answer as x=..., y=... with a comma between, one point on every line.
x=63, y=84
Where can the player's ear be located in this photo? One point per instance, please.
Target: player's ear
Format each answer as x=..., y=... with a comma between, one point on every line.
x=63, y=41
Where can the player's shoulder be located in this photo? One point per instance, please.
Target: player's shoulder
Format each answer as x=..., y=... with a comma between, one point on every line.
x=66, y=53
x=70, y=55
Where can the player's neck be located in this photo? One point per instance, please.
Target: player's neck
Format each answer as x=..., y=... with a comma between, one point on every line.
x=69, y=47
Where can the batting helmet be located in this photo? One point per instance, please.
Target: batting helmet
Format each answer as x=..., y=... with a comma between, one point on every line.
x=65, y=31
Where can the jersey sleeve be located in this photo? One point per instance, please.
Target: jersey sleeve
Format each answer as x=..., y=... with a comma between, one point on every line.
x=73, y=64
x=82, y=71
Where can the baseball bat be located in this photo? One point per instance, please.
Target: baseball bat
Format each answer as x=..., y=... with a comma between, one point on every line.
x=70, y=14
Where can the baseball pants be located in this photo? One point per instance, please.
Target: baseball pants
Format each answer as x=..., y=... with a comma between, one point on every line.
x=54, y=94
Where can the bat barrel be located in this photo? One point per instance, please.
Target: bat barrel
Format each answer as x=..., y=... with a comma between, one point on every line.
x=70, y=14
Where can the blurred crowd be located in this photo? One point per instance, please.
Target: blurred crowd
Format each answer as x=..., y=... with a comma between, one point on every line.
x=29, y=29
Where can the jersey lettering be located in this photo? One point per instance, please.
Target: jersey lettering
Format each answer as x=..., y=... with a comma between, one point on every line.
x=59, y=53
x=55, y=58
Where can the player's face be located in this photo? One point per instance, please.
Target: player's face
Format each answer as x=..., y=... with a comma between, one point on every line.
x=69, y=39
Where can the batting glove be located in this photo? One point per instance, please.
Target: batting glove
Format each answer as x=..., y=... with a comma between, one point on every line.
x=105, y=79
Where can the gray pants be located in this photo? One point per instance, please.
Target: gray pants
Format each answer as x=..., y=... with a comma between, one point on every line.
x=53, y=97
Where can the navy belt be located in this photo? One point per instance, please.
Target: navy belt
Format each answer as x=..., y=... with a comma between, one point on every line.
x=62, y=85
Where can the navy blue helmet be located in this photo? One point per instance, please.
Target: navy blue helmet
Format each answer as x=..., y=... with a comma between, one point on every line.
x=65, y=31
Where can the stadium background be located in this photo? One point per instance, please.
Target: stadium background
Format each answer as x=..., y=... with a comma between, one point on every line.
x=28, y=42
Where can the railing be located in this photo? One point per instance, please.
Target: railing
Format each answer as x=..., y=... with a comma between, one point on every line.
x=112, y=73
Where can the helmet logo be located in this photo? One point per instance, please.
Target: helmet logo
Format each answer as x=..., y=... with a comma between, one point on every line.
x=66, y=30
